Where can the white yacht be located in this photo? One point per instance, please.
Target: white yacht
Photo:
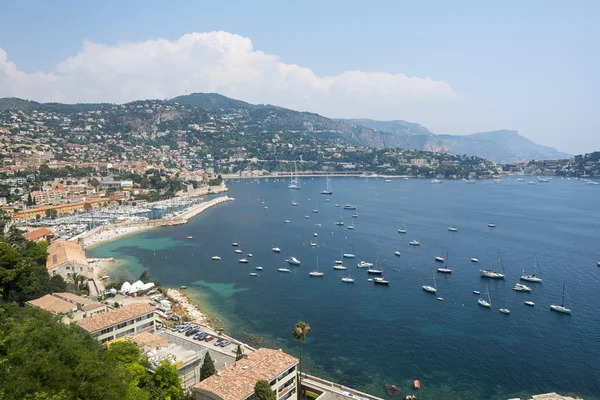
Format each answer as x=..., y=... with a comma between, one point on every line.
x=283, y=270
x=436, y=181
x=238, y=251
x=485, y=303
x=529, y=303
x=315, y=234
x=381, y=281
x=521, y=288
x=293, y=261
x=397, y=253
x=531, y=183
x=505, y=311
x=439, y=259
x=259, y=268
x=475, y=260
x=374, y=271
x=294, y=203
x=403, y=229
x=431, y=289
x=491, y=225
x=488, y=273
x=339, y=267
x=532, y=276
x=216, y=258
x=316, y=273
x=249, y=255
x=452, y=229
x=561, y=308
x=414, y=243
x=286, y=221
x=234, y=244
x=520, y=180
x=347, y=279
x=349, y=255
x=243, y=261
x=276, y=250
x=364, y=264
x=253, y=274
x=339, y=223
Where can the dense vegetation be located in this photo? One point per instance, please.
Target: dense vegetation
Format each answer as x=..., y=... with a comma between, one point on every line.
x=43, y=358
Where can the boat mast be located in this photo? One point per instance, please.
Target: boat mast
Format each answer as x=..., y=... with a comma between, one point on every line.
x=563, y=296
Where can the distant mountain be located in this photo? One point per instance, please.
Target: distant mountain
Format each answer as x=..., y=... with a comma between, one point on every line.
x=214, y=103
x=398, y=126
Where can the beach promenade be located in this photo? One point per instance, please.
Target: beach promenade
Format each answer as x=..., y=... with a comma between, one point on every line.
x=113, y=231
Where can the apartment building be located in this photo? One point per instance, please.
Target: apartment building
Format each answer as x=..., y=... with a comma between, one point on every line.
x=237, y=381
x=123, y=321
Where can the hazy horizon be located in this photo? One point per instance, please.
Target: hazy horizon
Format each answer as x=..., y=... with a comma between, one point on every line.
x=455, y=69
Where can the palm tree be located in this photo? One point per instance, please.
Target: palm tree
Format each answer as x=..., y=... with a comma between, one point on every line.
x=301, y=330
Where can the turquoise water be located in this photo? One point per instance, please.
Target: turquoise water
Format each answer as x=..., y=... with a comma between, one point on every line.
x=366, y=336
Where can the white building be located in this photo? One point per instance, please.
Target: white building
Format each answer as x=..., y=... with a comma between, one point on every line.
x=124, y=321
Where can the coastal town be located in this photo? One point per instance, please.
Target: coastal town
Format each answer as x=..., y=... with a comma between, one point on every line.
x=71, y=179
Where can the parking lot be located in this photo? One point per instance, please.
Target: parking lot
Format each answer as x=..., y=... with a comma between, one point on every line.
x=222, y=353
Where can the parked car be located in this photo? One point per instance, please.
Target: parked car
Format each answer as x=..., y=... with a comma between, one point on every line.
x=199, y=335
x=191, y=332
x=208, y=338
x=175, y=317
x=158, y=325
x=218, y=342
x=225, y=343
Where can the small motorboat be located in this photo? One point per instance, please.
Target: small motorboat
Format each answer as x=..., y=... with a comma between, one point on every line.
x=293, y=261
x=234, y=244
x=414, y=243
x=416, y=384
x=276, y=250
x=440, y=299
x=476, y=292
x=314, y=244
x=286, y=221
x=190, y=237
x=339, y=223
x=397, y=253
x=339, y=262
x=215, y=258
x=238, y=251
x=315, y=211
x=475, y=260
x=283, y=270
x=315, y=234
x=444, y=270
x=381, y=281
x=243, y=261
x=452, y=229
x=294, y=203
x=249, y=255
x=259, y=268
x=491, y=225
x=521, y=288
x=253, y=274
x=363, y=264
x=315, y=274
x=529, y=303
x=339, y=267
x=370, y=279
x=439, y=259
x=505, y=311
x=307, y=216
x=347, y=279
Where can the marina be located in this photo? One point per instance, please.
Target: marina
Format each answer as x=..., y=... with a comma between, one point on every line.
x=423, y=317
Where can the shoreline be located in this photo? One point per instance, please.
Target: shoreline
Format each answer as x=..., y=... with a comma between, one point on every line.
x=110, y=232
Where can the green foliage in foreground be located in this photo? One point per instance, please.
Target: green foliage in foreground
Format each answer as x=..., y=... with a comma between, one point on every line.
x=208, y=367
x=43, y=359
x=263, y=391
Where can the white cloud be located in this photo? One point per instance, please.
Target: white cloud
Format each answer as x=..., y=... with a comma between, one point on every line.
x=216, y=62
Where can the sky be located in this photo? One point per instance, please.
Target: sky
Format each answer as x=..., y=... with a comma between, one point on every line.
x=455, y=67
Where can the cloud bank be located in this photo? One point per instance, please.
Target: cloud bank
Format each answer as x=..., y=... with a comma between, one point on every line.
x=217, y=62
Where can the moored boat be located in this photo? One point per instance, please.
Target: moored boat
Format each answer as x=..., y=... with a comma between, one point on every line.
x=216, y=258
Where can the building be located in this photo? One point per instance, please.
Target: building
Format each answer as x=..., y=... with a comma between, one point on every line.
x=39, y=234
x=123, y=321
x=47, y=196
x=119, y=185
x=237, y=381
x=31, y=213
x=72, y=306
x=65, y=258
x=120, y=195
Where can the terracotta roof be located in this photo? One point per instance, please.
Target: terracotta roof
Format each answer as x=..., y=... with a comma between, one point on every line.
x=114, y=317
x=87, y=304
x=57, y=207
x=149, y=339
x=53, y=304
x=63, y=251
x=38, y=234
x=237, y=381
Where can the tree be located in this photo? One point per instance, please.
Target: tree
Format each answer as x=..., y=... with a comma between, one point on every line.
x=208, y=367
x=238, y=353
x=300, y=332
x=87, y=206
x=166, y=378
x=29, y=200
x=38, y=217
x=94, y=182
x=144, y=276
x=263, y=391
x=51, y=212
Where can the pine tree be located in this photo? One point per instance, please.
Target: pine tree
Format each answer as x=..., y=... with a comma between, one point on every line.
x=208, y=367
x=263, y=391
x=239, y=354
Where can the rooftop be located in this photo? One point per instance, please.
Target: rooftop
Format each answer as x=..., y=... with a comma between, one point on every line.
x=86, y=304
x=53, y=304
x=114, y=317
x=149, y=339
x=64, y=251
x=237, y=381
x=38, y=234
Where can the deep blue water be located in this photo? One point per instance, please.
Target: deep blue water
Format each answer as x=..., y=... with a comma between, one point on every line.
x=365, y=335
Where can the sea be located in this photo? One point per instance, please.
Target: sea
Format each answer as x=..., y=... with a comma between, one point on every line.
x=366, y=336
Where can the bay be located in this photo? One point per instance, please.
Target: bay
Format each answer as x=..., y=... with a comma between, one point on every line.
x=366, y=335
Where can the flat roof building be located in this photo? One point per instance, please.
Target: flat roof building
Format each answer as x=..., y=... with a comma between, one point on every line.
x=123, y=321
x=237, y=381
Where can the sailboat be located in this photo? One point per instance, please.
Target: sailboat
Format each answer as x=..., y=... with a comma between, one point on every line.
x=402, y=230
x=350, y=255
x=431, y=289
x=482, y=302
x=339, y=265
x=532, y=277
x=380, y=280
x=445, y=269
x=328, y=189
x=351, y=227
x=348, y=279
x=452, y=228
x=487, y=273
x=294, y=182
x=316, y=273
x=561, y=308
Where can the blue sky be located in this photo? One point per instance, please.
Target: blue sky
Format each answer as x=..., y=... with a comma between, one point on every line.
x=455, y=67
